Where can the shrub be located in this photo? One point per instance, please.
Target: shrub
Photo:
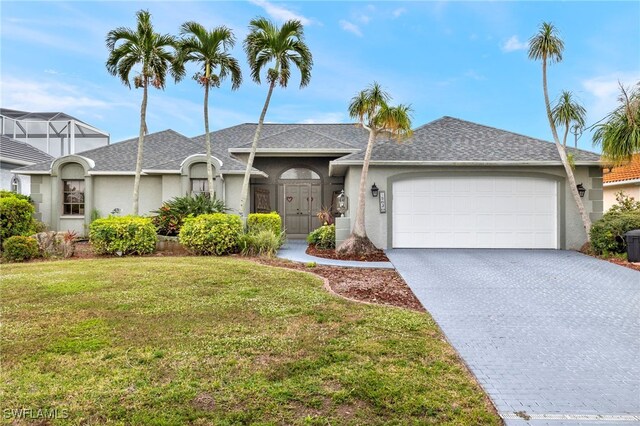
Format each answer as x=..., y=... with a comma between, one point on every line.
x=624, y=204
x=325, y=217
x=262, y=243
x=607, y=234
x=216, y=233
x=16, y=217
x=123, y=235
x=4, y=194
x=257, y=222
x=323, y=237
x=170, y=217
x=19, y=248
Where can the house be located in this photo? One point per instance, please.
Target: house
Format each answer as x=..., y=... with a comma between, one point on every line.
x=625, y=178
x=452, y=184
x=33, y=137
x=15, y=154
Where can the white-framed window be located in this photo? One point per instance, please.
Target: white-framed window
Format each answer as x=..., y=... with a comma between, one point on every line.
x=15, y=184
x=73, y=197
x=199, y=186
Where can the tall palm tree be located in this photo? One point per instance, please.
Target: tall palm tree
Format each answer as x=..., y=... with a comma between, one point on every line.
x=155, y=55
x=209, y=49
x=370, y=107
x=619, y=136
x=567, y=112
x=547, y=46
x=283, y=46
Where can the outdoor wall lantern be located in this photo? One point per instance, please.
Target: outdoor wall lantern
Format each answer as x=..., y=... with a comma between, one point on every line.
x=581, y=190
x=374, y=190
x=342, y=201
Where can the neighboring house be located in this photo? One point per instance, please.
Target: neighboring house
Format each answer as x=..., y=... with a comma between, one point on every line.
x=55, y=133
x=452, y=184
x=624, y=178
x=15, y=154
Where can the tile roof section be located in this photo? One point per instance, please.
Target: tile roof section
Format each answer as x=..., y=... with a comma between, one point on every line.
x=450, y=139
x=23, y=153
x=629, y=171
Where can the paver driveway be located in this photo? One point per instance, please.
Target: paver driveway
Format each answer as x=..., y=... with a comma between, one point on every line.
x=553, y=334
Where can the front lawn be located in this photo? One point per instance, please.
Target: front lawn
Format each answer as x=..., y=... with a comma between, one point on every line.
x=218, y=341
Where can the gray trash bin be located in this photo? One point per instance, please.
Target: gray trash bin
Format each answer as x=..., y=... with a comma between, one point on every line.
x=633, y=245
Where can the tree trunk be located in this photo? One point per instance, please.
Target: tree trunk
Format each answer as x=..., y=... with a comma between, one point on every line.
x=254, y=146
x=143, y=128
x=358, y=242
x=566, y=133
x=586, y=221
x=207, y=139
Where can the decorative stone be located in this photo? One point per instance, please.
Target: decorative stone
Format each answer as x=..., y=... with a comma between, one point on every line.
x=56, y=244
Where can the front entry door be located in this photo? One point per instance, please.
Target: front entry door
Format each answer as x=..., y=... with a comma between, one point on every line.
x=301, y=201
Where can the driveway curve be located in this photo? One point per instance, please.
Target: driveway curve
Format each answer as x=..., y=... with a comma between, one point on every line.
x=552, y=336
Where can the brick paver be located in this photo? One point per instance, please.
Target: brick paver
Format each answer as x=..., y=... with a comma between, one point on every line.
x=546, y=332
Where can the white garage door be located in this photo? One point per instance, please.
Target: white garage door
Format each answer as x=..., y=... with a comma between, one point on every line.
x=475, y=212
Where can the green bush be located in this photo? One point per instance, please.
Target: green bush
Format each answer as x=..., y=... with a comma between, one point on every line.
x=216, y=233
x=262, y=243
x=607, y=234
x=19, y=248
x=323, y=237
x=4, y=194
x=16, y=217
x=170, y=217
x=257, y=222
x=123, y=235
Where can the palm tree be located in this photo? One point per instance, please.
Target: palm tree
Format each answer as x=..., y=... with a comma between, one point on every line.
x=548, y=46
x=566, y=112
x=370, y=107
x=155, y=54
x=619, y=136
x=209, y=49
x=284, y=46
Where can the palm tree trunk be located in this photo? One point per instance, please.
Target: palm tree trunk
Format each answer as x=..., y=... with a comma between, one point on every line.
x=586, y=221
x=254, y=146
x=207, y=139
x=143, y=128
x=566, y=133
x=359, y=228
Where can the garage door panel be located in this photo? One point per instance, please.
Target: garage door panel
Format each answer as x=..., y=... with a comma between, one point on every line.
x=484, y=211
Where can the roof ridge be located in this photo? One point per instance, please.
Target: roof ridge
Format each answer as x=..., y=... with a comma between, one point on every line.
x=332, y=138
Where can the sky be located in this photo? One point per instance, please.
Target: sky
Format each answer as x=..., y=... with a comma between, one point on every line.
x=462, y=59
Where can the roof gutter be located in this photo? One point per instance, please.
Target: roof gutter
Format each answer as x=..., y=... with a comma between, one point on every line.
x=622, y=182
x=17, y=162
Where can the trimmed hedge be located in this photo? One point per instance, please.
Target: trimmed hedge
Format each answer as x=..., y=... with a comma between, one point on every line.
x=19, y=248
x=170, y=217
x=16, y=216
x=216, y=233
x=323, y=237
x=4, y=194
x=257, y=222
x=607, y=234
x=123, y=235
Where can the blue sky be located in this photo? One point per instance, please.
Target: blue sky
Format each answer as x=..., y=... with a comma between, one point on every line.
x=463, y=59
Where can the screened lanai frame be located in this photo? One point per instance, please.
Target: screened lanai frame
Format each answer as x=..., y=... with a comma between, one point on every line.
x=55, y=133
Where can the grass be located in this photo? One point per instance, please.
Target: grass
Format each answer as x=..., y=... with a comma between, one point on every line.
x=197, y=340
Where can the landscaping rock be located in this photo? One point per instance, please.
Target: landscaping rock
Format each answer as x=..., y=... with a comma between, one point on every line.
x=56, y=244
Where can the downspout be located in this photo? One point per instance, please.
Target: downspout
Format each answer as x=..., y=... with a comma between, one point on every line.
x=224, y=192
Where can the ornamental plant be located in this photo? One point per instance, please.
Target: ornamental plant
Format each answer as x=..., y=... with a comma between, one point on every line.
x=16, y=216
x=123, y=235
x=216, y=233
x=323, y=237
x=19, y=248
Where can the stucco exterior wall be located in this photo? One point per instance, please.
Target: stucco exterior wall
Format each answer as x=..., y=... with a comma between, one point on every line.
x=631, y=190
x=6, y=176
x=112, y=192
x=171, y=187
x=233, y=188
x=377, y=223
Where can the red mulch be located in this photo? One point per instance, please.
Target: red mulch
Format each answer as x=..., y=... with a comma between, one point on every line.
x=378, y=256
x=624, y=263
x=83, y=251
x=380, y=286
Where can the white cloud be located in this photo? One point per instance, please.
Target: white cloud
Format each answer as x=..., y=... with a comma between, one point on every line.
x=603, y=91
x=364, y=19
x=350, y=27
x=398, y=12
x=514, y=44
x=325, y=117
x=474, y=75
x=280, y=13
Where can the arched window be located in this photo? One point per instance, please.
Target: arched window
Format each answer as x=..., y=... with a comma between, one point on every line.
x=15, y=184
x=299, y=173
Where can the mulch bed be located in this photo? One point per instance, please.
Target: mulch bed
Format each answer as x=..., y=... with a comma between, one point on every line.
x=624, y=263
x=380, y=286
x=378, y=256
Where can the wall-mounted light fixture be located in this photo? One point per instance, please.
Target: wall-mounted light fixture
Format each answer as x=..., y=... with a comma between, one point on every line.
x=374, y=190
x=581, y=190
x=342, y=201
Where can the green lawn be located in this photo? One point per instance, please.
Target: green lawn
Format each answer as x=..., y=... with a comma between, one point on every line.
x=195, y=340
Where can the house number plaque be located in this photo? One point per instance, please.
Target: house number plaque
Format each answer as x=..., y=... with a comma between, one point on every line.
x=383, y=201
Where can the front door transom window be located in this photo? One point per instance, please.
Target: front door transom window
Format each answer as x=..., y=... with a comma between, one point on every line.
x=299, y=173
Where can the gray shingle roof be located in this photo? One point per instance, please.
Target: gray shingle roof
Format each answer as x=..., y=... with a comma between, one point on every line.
x=450, y=139
x=11, y=149
x=298, y=137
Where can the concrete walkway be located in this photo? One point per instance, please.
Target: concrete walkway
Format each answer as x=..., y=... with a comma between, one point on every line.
x=552, y=336
x=295, y=250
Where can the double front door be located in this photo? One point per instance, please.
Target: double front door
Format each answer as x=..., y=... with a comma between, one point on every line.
x=300, y=203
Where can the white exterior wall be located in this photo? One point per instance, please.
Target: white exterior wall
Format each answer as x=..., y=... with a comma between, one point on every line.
x=6, y=176
x=377, y=223
x=112, y=192
x=232, y=191
x=631, y=190
x=171, y=187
